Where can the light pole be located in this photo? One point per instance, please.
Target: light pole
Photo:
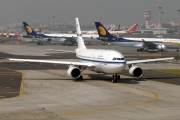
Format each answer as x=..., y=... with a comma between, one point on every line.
x=178, y=23
x=160, y=19
x=161, y=23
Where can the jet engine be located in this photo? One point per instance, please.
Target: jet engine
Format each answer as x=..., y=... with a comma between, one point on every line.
x=135, y=71
x=74, y=72
x=161, y=47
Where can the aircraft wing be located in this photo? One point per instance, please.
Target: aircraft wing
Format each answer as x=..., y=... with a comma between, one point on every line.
x=149, y=44
x=63, y=51
x=55, y=62
x=146, y=44
x=147, y=60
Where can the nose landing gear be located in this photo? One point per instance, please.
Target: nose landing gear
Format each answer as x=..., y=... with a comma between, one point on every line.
x=115, y=79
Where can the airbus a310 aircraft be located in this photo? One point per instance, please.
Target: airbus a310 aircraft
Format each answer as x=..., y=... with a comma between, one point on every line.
x=100, y=61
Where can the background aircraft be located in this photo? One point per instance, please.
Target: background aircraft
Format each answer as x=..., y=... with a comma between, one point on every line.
x=101, y=61
x=144, y=44
x=41, y=38
x=9, y=34
x=56, y=37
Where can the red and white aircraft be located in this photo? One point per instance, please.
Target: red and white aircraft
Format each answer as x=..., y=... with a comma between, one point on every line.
x=8, y=34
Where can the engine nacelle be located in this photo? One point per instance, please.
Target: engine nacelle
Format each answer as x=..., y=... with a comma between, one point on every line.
x=74, y=72
x=135, y=71
x=161, y=47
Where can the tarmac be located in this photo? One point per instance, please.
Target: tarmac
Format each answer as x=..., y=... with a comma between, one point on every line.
x=45, y=91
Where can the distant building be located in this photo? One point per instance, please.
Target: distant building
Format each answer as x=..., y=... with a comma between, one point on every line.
x=152, y=31
x=147, y=17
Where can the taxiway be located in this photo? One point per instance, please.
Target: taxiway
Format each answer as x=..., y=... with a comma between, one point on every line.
x=48, y=93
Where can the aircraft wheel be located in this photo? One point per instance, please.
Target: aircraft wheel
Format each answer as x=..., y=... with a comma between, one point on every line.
x=115, y=78
x=80, y=78
x=118, y=77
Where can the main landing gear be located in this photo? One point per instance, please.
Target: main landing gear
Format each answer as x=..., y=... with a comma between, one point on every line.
x=39, y=43
x=80, y=78
x=116, y=77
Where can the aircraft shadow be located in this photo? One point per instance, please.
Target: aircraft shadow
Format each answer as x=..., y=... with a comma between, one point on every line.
x=109, y=78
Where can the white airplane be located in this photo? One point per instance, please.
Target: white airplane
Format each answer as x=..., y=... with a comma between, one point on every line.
x=100, y=61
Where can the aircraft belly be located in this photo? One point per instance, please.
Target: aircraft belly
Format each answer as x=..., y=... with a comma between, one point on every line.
x=99, y=68
x=172, y=46
x=113, y=68
x=126, y=44
x=103, y=67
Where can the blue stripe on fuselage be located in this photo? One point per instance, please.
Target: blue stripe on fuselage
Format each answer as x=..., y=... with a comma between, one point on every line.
x=79, y=34
x=98, y=61
x=110, y=39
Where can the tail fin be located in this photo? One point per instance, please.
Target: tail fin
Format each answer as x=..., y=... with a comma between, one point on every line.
x=108, y=27
x=28, y=29
x=7, y=31
x=102, y=30
x=80, y=40
x=2, y=32
x=118, y=28
x=132, y=29
x=112, y=28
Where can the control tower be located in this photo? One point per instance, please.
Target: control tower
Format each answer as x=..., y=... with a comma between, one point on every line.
x=147, y=17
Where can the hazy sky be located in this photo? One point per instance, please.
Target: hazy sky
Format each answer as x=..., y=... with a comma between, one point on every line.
x=126, y=12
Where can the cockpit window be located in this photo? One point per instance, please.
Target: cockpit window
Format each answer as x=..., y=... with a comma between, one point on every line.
x=118, y=58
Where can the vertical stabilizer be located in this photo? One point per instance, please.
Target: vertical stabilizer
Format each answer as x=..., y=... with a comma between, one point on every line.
x=2, y=32
x=102, y=31
x=132, y=29
x=7, y=31
x=28, y=29
x=80, y=40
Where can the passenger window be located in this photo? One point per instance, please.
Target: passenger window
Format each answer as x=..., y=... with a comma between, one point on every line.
x=114, y=58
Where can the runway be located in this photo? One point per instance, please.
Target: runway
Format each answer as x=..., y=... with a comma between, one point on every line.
x=48, y=93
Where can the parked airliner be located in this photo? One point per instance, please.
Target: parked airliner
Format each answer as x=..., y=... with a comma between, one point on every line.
x=9, y=34
x=100, y=61
x=147, y=44
x=55, y=37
